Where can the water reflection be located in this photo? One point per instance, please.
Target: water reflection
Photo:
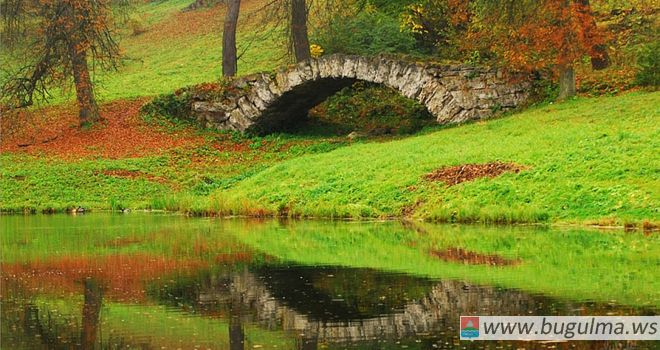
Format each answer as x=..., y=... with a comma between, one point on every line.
x=346, y=307
x=93, y=296
x=180, y=284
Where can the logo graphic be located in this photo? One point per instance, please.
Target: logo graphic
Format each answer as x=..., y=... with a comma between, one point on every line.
x=469, y=326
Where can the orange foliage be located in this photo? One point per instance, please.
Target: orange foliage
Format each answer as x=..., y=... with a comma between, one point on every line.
x=459, y=12
x=556, y=32
x=53, y=131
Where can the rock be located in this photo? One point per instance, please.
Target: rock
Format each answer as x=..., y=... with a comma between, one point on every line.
x=355, y=135
x=78, y=210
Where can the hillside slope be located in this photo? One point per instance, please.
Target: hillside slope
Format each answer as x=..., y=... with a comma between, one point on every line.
x=180, y=48
x=583, y=160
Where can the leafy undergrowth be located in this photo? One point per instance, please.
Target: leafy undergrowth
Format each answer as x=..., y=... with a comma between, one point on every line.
x=372, y=110
x=588, y=161
x=632, y=29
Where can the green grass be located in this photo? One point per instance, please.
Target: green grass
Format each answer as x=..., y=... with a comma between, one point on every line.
x=30, y=183
x=163, y=67
x=587, y=159
x=163, y=64
x=180, y=179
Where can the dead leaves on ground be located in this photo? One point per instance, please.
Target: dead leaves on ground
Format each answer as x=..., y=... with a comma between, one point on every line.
x=454, y=175
x=54, y=131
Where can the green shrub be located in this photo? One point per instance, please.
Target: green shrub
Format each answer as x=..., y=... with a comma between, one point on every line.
x=544, y=89
x=174, y=110
x=371, y=32
x=390, y=7
x=170, y=106
x=649, y=65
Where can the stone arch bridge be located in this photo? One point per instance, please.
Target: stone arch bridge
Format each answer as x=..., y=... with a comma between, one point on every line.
x=264, y=102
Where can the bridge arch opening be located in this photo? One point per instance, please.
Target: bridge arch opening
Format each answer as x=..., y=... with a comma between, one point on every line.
x=335, y=107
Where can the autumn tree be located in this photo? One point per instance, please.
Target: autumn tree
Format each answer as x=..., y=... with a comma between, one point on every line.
x=56, y=41
x=539, y=34
x=229, y=55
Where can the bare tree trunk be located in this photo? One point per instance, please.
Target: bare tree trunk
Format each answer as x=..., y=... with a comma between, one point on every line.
x=88, y=109
x=229, y=59
x=299, y=30
x=566, y=72
x=566, y=82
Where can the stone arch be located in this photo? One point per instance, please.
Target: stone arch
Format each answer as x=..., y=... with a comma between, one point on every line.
x=451, y=93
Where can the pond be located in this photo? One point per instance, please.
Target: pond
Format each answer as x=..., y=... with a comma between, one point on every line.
x=148, y=281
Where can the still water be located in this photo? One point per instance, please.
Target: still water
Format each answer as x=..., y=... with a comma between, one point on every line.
x=141, y=281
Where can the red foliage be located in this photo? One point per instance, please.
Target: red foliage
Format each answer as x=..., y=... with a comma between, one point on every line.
x=54, y=131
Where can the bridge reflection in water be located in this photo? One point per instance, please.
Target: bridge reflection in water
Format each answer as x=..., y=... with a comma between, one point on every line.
x=307, y=307
x=351, y=307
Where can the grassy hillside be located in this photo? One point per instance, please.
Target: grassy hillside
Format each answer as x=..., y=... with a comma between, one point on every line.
x=583, y=161
x=183, y=48
x=588, y=159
